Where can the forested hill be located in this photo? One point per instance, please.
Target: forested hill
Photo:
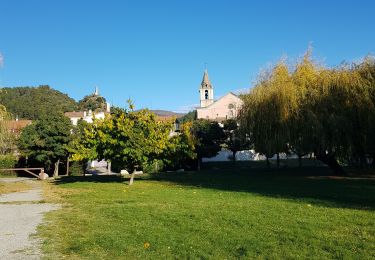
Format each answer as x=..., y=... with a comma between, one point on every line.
x=35, y=102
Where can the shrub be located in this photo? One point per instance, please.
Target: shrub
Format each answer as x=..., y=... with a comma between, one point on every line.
x=7, y=161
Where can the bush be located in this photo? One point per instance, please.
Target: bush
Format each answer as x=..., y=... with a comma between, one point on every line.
x=77, y=168
x=153, y=167
x=7, y=161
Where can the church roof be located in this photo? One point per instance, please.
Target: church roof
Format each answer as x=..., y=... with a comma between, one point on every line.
x=206, y=81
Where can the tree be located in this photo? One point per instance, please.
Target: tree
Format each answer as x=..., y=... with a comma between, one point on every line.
x=93, y=103
x=7, y=139
x=208, y=136
x=180, y=150
x=130, y=139
x=313, y=109
x=235, y=139
x=189, y=117
x=46, y=139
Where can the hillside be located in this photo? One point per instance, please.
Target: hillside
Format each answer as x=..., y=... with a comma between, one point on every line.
x=165, y=113
x=35, y=102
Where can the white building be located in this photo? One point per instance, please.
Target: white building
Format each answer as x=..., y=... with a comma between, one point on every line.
x=83, y=115
x=88, y=116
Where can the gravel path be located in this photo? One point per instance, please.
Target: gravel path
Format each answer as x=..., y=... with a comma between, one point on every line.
x=20, y=214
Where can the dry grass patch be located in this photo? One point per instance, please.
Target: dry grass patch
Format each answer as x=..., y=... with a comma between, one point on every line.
x=9, y=187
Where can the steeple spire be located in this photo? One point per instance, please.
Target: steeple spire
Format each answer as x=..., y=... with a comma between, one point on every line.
x=206, y=81
x=96, y=93
x=206, y=91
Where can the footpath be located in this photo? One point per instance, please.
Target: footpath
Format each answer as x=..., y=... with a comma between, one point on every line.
x=20, y=215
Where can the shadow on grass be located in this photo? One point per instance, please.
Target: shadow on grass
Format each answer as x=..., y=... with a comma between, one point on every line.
x=312, y=184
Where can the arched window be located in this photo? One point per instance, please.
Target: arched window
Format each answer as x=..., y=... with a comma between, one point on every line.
x=206, y=94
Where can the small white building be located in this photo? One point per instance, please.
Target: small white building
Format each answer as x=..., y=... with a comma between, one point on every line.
x=88, y=116
x=85, y=116
x=226, y=107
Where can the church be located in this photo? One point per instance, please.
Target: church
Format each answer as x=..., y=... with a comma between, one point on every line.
x=226, y=107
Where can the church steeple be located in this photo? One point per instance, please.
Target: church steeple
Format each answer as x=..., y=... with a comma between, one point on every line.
x=206, y=81
x=206, y=91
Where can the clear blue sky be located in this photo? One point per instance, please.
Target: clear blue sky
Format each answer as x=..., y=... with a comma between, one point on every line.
x=154, y=51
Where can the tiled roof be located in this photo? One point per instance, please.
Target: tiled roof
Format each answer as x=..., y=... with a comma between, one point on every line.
x=74, y=114
x=16, y=126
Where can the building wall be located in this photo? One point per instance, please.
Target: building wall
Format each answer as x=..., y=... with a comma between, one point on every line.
x=224, y=108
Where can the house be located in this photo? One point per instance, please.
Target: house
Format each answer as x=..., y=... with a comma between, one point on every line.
x=89, y=115
x=84, y=115
x=226, y=107
x=15, y=126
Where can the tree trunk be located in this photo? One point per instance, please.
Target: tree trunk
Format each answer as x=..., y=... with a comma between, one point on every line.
x=199, y=165
x=234, y=156
x=67, y=166
x=278, y=160
x=56, y=171
x=132, y=178
x=109, y=165
x=299, y=161
x=331, y=162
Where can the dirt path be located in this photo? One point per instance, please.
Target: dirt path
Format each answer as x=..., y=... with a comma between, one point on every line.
x=20, y=214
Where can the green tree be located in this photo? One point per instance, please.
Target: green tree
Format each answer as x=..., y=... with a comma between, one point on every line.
x=180, y=149
x=208, y=137
x=189, y=117
x=93, y=103
x=45, y=141
x=130, y=139
x=7, y=139
x=235, y=139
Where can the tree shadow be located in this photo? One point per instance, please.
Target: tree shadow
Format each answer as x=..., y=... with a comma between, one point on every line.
x=94, y=178
x=313, y=185
x=310, y=184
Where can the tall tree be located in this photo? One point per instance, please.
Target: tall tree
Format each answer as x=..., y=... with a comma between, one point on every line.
x=208, y=137
x=235, y=139
x=129, y=138
x=45, y=140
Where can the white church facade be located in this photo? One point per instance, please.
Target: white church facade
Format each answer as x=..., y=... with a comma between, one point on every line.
x=226, y=107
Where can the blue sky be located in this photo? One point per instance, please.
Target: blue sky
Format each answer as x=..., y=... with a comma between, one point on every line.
x=154, y=51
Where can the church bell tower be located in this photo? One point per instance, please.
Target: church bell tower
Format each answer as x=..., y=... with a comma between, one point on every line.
x=206, y=91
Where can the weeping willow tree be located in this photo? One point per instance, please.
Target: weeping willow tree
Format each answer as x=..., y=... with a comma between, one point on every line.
x=307, y=108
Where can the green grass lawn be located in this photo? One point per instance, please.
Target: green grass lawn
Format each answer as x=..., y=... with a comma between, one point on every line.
x=224, y=214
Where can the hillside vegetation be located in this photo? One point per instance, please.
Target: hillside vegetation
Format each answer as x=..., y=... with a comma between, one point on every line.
x=35, y=102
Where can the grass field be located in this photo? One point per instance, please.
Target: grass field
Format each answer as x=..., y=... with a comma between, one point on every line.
x=213, y=214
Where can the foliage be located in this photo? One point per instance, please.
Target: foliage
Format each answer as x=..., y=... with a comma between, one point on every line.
x=7, y=139
x=131, y=139
x=93, y=103
x=180, y=150
x=208, y=137
x=81, y=147
x=189, y=117
x=7, y=161
x=45, y=140
x=313, y=109
x=235, y=139
x=77, y=168
x=35, y=102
